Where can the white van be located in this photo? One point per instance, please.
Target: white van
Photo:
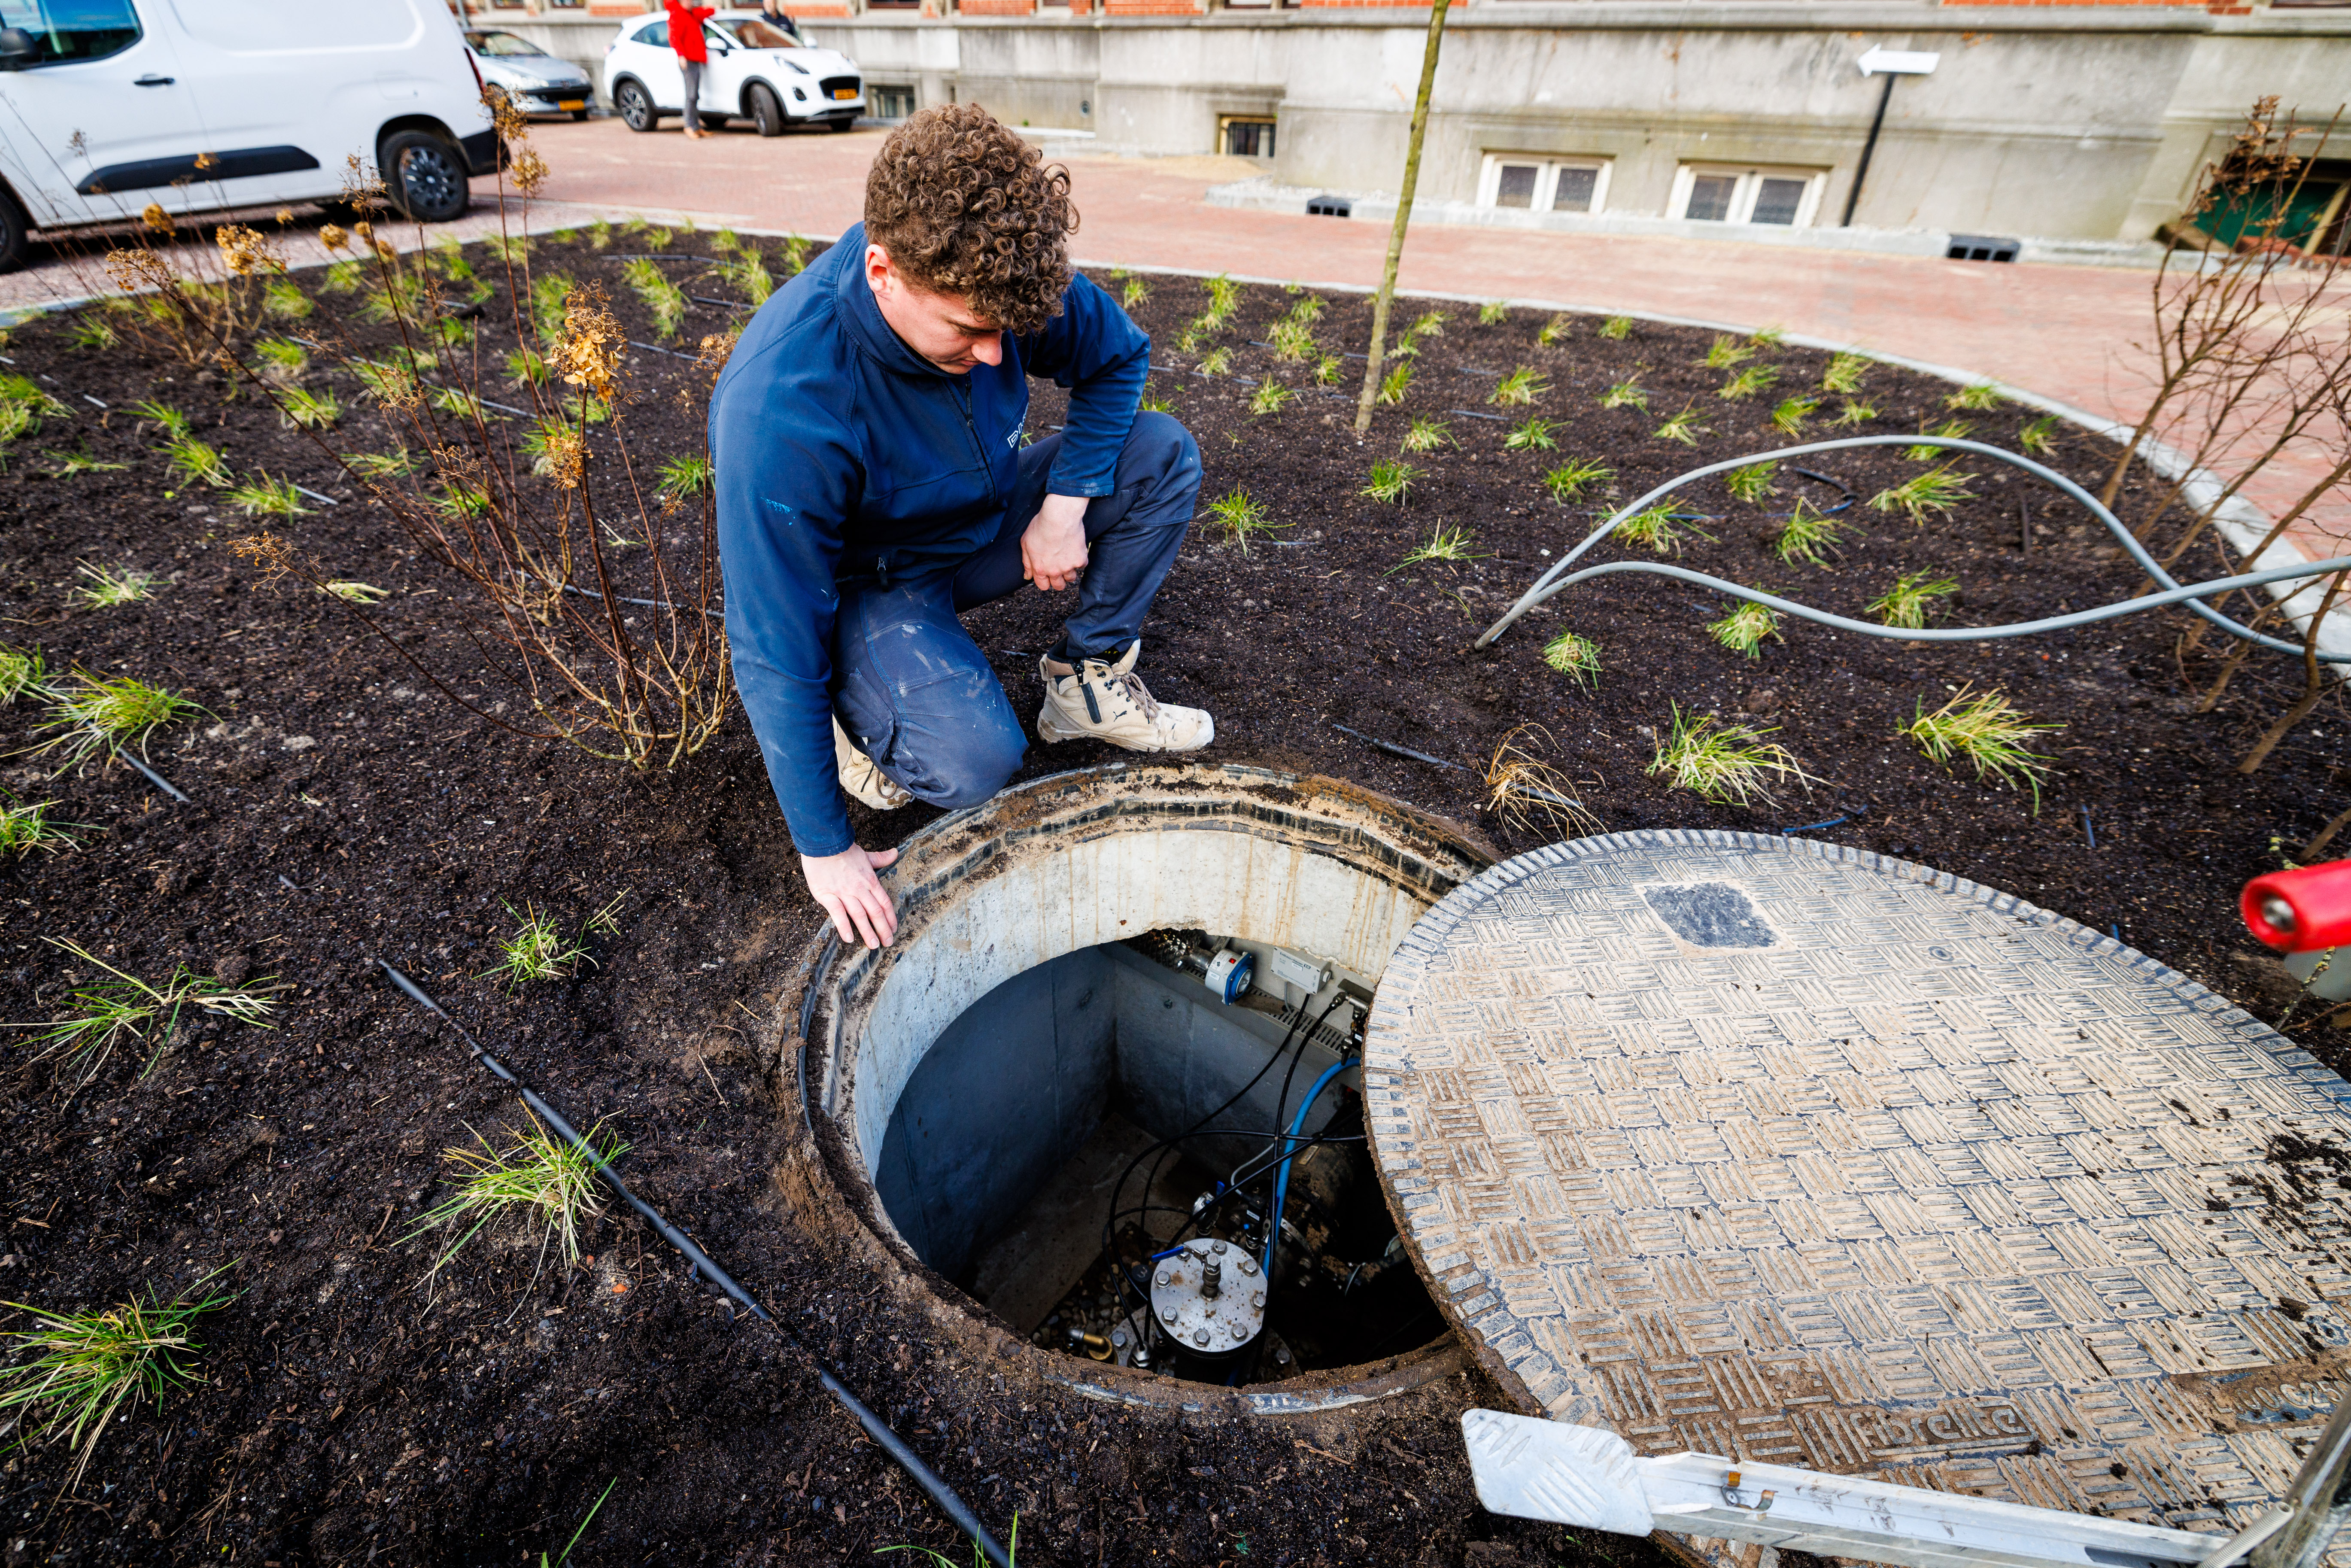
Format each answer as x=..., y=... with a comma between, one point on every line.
x=108, y=105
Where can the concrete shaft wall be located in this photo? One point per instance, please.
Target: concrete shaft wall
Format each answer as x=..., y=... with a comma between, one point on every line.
x=2085, y=123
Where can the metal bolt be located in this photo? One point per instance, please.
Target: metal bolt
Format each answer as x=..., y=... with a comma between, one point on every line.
x=1249, y=1265
x=1199, y=1336
x=1217, y=1247
x=1163, y=1276
x=1258, y=1299
x=1167, y=1314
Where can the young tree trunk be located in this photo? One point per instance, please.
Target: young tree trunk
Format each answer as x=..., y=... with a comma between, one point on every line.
x=2314, y=678
x=1404, y=216
x=2318, y=846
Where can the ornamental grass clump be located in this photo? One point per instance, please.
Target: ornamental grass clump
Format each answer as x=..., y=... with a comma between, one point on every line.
x=1426, y=434
x=1269, y=396
x=1242, y=517
x=1742, y=630
x=1937, y=491
x=1987, y=730
x=1575, y=655
x=1727, y=764
x=1521, y=387
x=27, y=826
x=546, y=1183
x=306, y=408
x=747, y=274
x=1446, y=546
x=1571, y=479
x=1553, y=331
x=2036, y=437
x=534, y=951
x=1683, y=427
x=1391, y=482
x=1789, y=418
x=1627, y=394
x=662, y=300
x=1954, y=429
x=77, y=1374
x=194, y=462
x=1394, y=384
x=22, y=671
x=1529, y=793
x=680, y=477
x=1808, y=534
x=1216, y=362
x=1491, y=312
x=98, y=1015
x=1725, y=353
x=1748, y=382
x=1908, y=601
x=1752, y=483
x=1843, y=373
x=1532, y=435
x=1616, y=329
x=105, y=587
x=1981, y=397
x=1855, y=412
x=102, y=716
x=263, y=496
x=1657, y=530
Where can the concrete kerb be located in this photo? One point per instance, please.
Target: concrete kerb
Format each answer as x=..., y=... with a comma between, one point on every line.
x=2239, y=521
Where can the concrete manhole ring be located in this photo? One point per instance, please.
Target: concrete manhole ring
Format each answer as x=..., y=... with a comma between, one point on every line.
x=1066, y=864
x=1780, y=1151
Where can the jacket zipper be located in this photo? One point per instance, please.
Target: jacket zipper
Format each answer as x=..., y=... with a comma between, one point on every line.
x=963, y=406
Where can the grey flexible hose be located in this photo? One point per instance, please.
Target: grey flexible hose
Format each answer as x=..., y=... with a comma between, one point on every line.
x=952, y=1505
x=1555, y=579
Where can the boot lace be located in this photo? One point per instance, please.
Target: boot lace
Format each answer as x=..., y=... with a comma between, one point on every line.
x=1136, y=692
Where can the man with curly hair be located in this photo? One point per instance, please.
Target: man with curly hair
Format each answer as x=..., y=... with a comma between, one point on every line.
x=875, y=479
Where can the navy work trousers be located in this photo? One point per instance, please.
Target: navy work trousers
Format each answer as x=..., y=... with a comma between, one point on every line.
x=915, y=693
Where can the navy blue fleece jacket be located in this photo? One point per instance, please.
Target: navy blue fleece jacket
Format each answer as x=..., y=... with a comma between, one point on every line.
x=837, y=449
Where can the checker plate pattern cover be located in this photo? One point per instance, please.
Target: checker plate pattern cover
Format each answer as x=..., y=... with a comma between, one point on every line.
x=1931, y=1185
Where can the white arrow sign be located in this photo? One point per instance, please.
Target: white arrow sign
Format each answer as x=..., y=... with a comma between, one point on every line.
x=1898, y=62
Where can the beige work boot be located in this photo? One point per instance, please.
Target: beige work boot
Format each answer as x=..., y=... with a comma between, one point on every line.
x=1099, y=700
x=862, y=777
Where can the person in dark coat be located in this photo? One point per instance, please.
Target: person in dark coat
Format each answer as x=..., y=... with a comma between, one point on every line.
x=876, y=478
x=692, y=54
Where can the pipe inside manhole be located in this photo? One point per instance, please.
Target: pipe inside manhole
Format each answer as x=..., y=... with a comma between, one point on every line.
x=1103, y=985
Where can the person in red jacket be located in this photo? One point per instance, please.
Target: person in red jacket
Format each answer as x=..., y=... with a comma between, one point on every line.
x=692, y=54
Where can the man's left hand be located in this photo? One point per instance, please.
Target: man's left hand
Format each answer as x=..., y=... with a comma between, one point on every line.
x=1054, y=549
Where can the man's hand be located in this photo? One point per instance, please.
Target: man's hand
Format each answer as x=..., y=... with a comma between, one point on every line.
x=861, y=907
x=1053, y=548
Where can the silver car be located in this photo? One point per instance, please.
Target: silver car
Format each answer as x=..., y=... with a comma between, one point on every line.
x=536, y=81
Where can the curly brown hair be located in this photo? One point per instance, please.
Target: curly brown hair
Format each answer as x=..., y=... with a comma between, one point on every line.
x=964, y=206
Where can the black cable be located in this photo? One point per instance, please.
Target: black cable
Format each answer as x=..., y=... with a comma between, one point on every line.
x=952, y=1505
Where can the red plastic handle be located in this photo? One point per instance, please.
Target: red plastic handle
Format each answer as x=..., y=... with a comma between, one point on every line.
x=2301, y=911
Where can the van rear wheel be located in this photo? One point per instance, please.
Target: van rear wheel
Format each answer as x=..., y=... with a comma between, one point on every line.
x=424, y=176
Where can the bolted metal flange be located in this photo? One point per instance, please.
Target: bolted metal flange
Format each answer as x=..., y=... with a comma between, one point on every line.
x=1209, y=1298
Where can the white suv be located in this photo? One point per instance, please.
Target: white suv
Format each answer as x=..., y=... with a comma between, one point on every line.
x=758, y=68
x=108, y=105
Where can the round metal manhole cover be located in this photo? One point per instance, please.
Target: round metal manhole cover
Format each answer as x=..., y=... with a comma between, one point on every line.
x=1774, y=1150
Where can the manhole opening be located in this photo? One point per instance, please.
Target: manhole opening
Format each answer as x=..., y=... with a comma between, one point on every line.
x=1046, y=1014
x=1120, y=1211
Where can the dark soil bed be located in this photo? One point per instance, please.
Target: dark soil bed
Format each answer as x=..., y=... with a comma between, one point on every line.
x=342, y=810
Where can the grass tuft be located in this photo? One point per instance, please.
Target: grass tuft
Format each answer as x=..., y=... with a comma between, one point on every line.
x=98, y=1015
x=1393, y=385
x=1937, y=490
x=1426, y=434
x=1529, y=794
x=95, y=716
x=1658, y=530
x=1855, y=411
x=535, y=951
x=194, y=462
x=1843, y=373
x=662, y=300
x=1683, y=427
x=22, y=672
x=1391, y=482
x=1326, y=371
x=1518, y=389
x=1725, y=353
x=682, y=476
x=1627, y=394
x=1913, y=595
x=1575, y=655
x=266, y=497
x=354, y=592
x=1989, y=731
x=1532, y=435
x=1571, y=479
x=78, y=1370
x=1447, y=544
x=1748, y=382
x=1789, y=418
x=1616, y=329
x=26, y=826
x=547, y=1182
x=1724, y=763
x=1752, y=483
x=162, y=415
x=1807, y=534
x=1241, y=516
x=1554, y=331
x=749, y=275
x=2035, y=437
x=1294, y=341
x=283, y=298
x=1270, y=397
x=1216, y=362
x=105, y=587
x=1742, y=630
x=305, y=408
x=1953, y=429
x=1491, y=312
x=1981, y=397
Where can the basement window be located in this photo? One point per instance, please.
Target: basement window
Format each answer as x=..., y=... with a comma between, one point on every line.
x=1245, y=136
x=1786, y=198
x=890, y=102
x=1542, y=184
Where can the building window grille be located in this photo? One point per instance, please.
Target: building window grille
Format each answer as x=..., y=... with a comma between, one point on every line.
x=1542, y=184
x=1785, y=198
x=1246, y=138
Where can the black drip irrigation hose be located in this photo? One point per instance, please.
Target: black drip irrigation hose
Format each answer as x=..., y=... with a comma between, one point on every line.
x=157, y=780
x=1393, y=749
x=950, y=1504
x=1557, y=578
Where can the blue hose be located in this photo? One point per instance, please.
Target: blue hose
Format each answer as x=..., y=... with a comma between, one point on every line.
x=1557, y=578
x=1281, y=1179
